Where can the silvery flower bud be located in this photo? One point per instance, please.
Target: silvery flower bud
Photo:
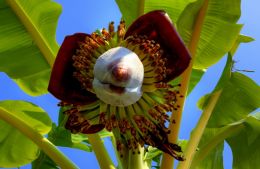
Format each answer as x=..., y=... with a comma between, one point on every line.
x=118, y=77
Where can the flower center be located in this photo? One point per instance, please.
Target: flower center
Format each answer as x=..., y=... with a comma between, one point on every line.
x=118, y=77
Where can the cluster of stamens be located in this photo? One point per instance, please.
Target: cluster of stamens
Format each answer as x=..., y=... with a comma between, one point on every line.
x=142, y=123
x=150, y=54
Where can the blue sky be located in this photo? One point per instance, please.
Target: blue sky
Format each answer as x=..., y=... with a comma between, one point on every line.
x=89, y=15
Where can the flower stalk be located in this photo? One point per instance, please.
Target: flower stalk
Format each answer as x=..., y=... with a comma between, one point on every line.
x=137, y=96
x=122, y=162
x=167, y=160
x=198, y=132
x=100, y=151
x=56, y=155
x=136, y=160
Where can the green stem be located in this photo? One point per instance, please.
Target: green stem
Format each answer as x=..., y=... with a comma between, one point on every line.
x=122, y=160
x=58, y=157
x=39, y=39
x=135, y=160
x=100, y=151
x=167, y=160
x=140, y=10
x=224, y=133
x=198, y=131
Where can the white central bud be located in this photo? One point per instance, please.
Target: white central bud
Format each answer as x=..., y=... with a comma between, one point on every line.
x=118, y=77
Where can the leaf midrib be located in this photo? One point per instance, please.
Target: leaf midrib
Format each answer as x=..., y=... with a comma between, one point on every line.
x=37, y=36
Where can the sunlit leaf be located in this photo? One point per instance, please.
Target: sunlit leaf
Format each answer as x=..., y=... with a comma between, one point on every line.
x=27, y=38
x=237, y=99
x=173, y=7
x=153, y=155
x=105, y=133
x=240, y=39
x=129, y=10
x=15, y=148
x=231, y=120
x=219, y=29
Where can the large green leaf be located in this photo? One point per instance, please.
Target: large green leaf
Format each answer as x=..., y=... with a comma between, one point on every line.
x=195, y=77
x=15, y=148
x=62, y=137
x=230, y=119
x=173, y=7
x=28, y=45
x=130, y=8
x=243, y=136
x=237, y=99
x=214, y=160
x=240, y=39
x=218, y=32
x=245, y=145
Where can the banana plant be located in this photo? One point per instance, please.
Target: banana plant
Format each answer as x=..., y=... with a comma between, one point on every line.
x=127, y=84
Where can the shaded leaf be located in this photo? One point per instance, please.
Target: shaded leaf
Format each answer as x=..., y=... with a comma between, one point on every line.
x=15, y=148
x=244, y=145
x=230, y=119
x=237, y=100
x=213, y=138
x=214, y=159
x=27, y=39
x=43, y=162
x=219, y=29
x=62, y=137
x=196, y=75
x=152, y=153
x=203, y=101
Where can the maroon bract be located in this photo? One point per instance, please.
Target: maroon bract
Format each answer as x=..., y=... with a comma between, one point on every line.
x=119, y=81
x=158, y=26
x=62, y=83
